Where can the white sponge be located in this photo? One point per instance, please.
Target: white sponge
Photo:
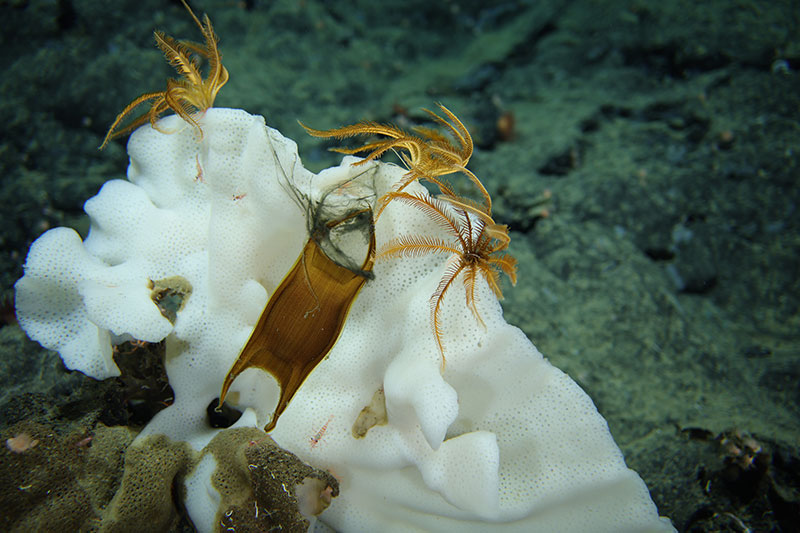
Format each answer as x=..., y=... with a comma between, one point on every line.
x=71, y=301
x=501, y=440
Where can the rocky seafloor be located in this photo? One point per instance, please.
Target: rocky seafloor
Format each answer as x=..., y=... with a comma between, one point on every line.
x=644, y=154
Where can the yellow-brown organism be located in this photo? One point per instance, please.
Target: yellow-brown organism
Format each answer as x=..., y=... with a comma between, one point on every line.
x=428, y=155
x=475, y=247
x=476, y=241
x=186, y=95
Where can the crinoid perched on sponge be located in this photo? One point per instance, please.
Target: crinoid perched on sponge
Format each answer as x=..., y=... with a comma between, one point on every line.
x=474, y=240
x=241, y=235
x=191, y=91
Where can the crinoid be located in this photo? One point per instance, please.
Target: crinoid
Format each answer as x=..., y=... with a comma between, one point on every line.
x=191, y=93
x=475, y=240
x=474, y=246
x=429, y=155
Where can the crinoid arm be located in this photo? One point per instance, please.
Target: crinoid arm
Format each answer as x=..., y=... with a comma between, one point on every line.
x=438, y=210
x=210, y=50
x=178, y=98
x=456, y=129
x=487, y=200
x=415, y=173
x=361, y=128
x=398, y=139
x=217, y=73
x=376, y=149
x=113, y=132
x=470, y=279
x=415, y=246
x=508, y=264
x=180, y=56
x=455, y=265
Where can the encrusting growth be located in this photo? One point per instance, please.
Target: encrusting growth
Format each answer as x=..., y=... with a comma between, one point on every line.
x=191, y=93
x=475, y=241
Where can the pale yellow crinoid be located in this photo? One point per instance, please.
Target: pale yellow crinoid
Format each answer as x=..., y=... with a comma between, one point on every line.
x=474, y=240
x=187, y=95
x=474, y=248
x=428, y=155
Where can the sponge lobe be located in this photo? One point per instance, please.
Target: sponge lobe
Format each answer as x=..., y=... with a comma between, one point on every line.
x=50, y=306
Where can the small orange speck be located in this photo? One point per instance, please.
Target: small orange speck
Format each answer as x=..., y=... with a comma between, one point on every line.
x=505, y=126
x=725, y=139
x=21, y=443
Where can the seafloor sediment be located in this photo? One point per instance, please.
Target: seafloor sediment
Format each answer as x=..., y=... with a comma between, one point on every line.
x=644, y=154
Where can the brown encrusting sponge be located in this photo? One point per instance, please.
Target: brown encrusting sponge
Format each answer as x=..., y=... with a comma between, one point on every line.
x=260, y=485
x=153, y=468
x=263, y=486
x=63, y=474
